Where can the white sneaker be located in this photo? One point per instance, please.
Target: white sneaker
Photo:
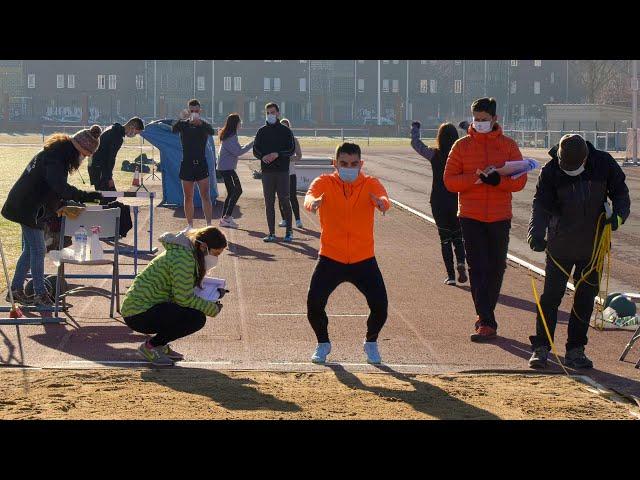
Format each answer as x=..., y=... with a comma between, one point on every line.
x=232, y=222
x=225, y=223
x=373, y=355
x=299, y=223
x=322, y=350
x=283, y=223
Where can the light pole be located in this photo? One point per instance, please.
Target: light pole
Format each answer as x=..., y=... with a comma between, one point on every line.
x=566, y=94
x=155, y=96
x=213, y=87
x=379, y=107
x=634, y=118
x=406, y=108
x=485, y=78
x=194, y=79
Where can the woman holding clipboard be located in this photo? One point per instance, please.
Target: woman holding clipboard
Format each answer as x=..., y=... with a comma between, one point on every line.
x=162, y=299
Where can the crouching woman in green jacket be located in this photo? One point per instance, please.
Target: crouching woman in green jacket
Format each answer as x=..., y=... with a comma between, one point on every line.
x=161, y=300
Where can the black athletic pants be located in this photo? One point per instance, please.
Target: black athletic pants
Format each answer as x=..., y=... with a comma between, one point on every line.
x=450, y=233
x=486, y=245
x=293, y=198
x=234, y=190
x=168, y=321
x=555, y=286
x=365, y=276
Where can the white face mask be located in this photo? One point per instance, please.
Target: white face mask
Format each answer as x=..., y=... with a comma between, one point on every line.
x=195, y=116
x=482, y=127
x=574, y=173
x=210, y=261
x=271, y=119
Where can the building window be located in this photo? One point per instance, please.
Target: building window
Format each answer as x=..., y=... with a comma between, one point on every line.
x=553, y=78
x=513, y=87
x=112, y=82
x=424, y=86
x=361, y=84
x=31, y=80
x=303, y=84
x=395, y=86
x=536, y=88
x=385, y=85
x=277, y=61
x=267, y=84
x=220, y=107
x=360, y=61
x=303, y=61
x=396, y=62
x=385, y=61
x=458, y=62
x=276, y=84
x=101, y=83
x=227, y=84
x=267, y=60
x=237, y=84
x=433, y=86
x=423, y=62
x=252, y=111
x=514, y=63
x=71, y=81
x=60, y=81
x=139, y=82
x=458, y=86
x=537, y=63
x=200, y=82
x=551, y=99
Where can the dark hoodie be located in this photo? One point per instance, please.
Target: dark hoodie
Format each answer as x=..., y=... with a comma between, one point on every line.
x=567, y=208
x=274, y=138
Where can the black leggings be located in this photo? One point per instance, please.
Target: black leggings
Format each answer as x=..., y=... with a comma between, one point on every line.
x=446, y=217
x=293, y=198
x=168, y=321
x=365, y=276
x=486, y=245
x=234, y=190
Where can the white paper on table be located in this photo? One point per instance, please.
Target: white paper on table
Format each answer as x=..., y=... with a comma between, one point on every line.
x=209, y=290
x=514, y=168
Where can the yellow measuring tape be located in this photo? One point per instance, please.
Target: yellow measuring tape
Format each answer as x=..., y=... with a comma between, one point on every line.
x=601, y=250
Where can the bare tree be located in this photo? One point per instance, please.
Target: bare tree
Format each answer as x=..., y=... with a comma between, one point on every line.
x=598, y=77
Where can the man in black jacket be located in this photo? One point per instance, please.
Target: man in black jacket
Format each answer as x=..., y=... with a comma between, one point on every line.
x=103, y=161
x=567, y=206
x=274, y=145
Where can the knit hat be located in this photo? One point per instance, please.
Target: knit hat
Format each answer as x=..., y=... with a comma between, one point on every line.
x=87, y=140
x=572, y=151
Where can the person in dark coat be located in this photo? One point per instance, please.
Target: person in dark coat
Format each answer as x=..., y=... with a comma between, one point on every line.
x=40, y=189
x=567, y=208
x=444, y=204
x=103, y=161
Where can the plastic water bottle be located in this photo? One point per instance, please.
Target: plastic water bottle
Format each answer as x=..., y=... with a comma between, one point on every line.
x=80, y=241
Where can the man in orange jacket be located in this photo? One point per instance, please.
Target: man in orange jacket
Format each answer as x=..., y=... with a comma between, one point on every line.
x=484, y=208
x=346, y=201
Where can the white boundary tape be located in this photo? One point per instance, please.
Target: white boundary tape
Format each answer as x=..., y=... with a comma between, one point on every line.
x=110, y=194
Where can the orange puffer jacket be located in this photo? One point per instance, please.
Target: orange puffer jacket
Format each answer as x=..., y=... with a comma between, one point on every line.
x=346, y=215
x=475, y=151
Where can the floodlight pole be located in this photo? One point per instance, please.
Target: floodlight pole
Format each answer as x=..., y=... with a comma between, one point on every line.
x=379, y=106
x=634, y=118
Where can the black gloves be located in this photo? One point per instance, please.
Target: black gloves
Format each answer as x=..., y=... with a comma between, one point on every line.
x=537, y=244
x=492, y=179
x=91, y=197
x=615, y=221
x=415, y=124
x=222, y=292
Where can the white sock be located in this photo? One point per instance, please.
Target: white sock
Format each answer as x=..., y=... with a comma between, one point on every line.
x=191, y=225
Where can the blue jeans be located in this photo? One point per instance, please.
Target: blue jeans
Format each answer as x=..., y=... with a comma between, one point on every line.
x=32, y=257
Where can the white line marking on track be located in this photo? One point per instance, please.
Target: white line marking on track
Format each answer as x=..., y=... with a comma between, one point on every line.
x=300, y=314
x=140, y=362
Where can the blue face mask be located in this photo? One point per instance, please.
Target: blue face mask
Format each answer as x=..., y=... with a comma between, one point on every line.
x=348, y=175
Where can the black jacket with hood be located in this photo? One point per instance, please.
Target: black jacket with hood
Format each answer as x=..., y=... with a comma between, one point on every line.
x=39, y=190
x=104, y=160
x=567, y=208
x=276, y=138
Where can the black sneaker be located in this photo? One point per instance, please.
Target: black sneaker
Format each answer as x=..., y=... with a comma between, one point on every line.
x=575, y=358
x=18, y=297
x=539, y=357
x=462, y=273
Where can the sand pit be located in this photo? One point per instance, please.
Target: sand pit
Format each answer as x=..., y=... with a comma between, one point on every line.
x=192, y=393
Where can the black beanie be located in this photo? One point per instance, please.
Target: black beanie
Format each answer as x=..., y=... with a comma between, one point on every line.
x=572, y=151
